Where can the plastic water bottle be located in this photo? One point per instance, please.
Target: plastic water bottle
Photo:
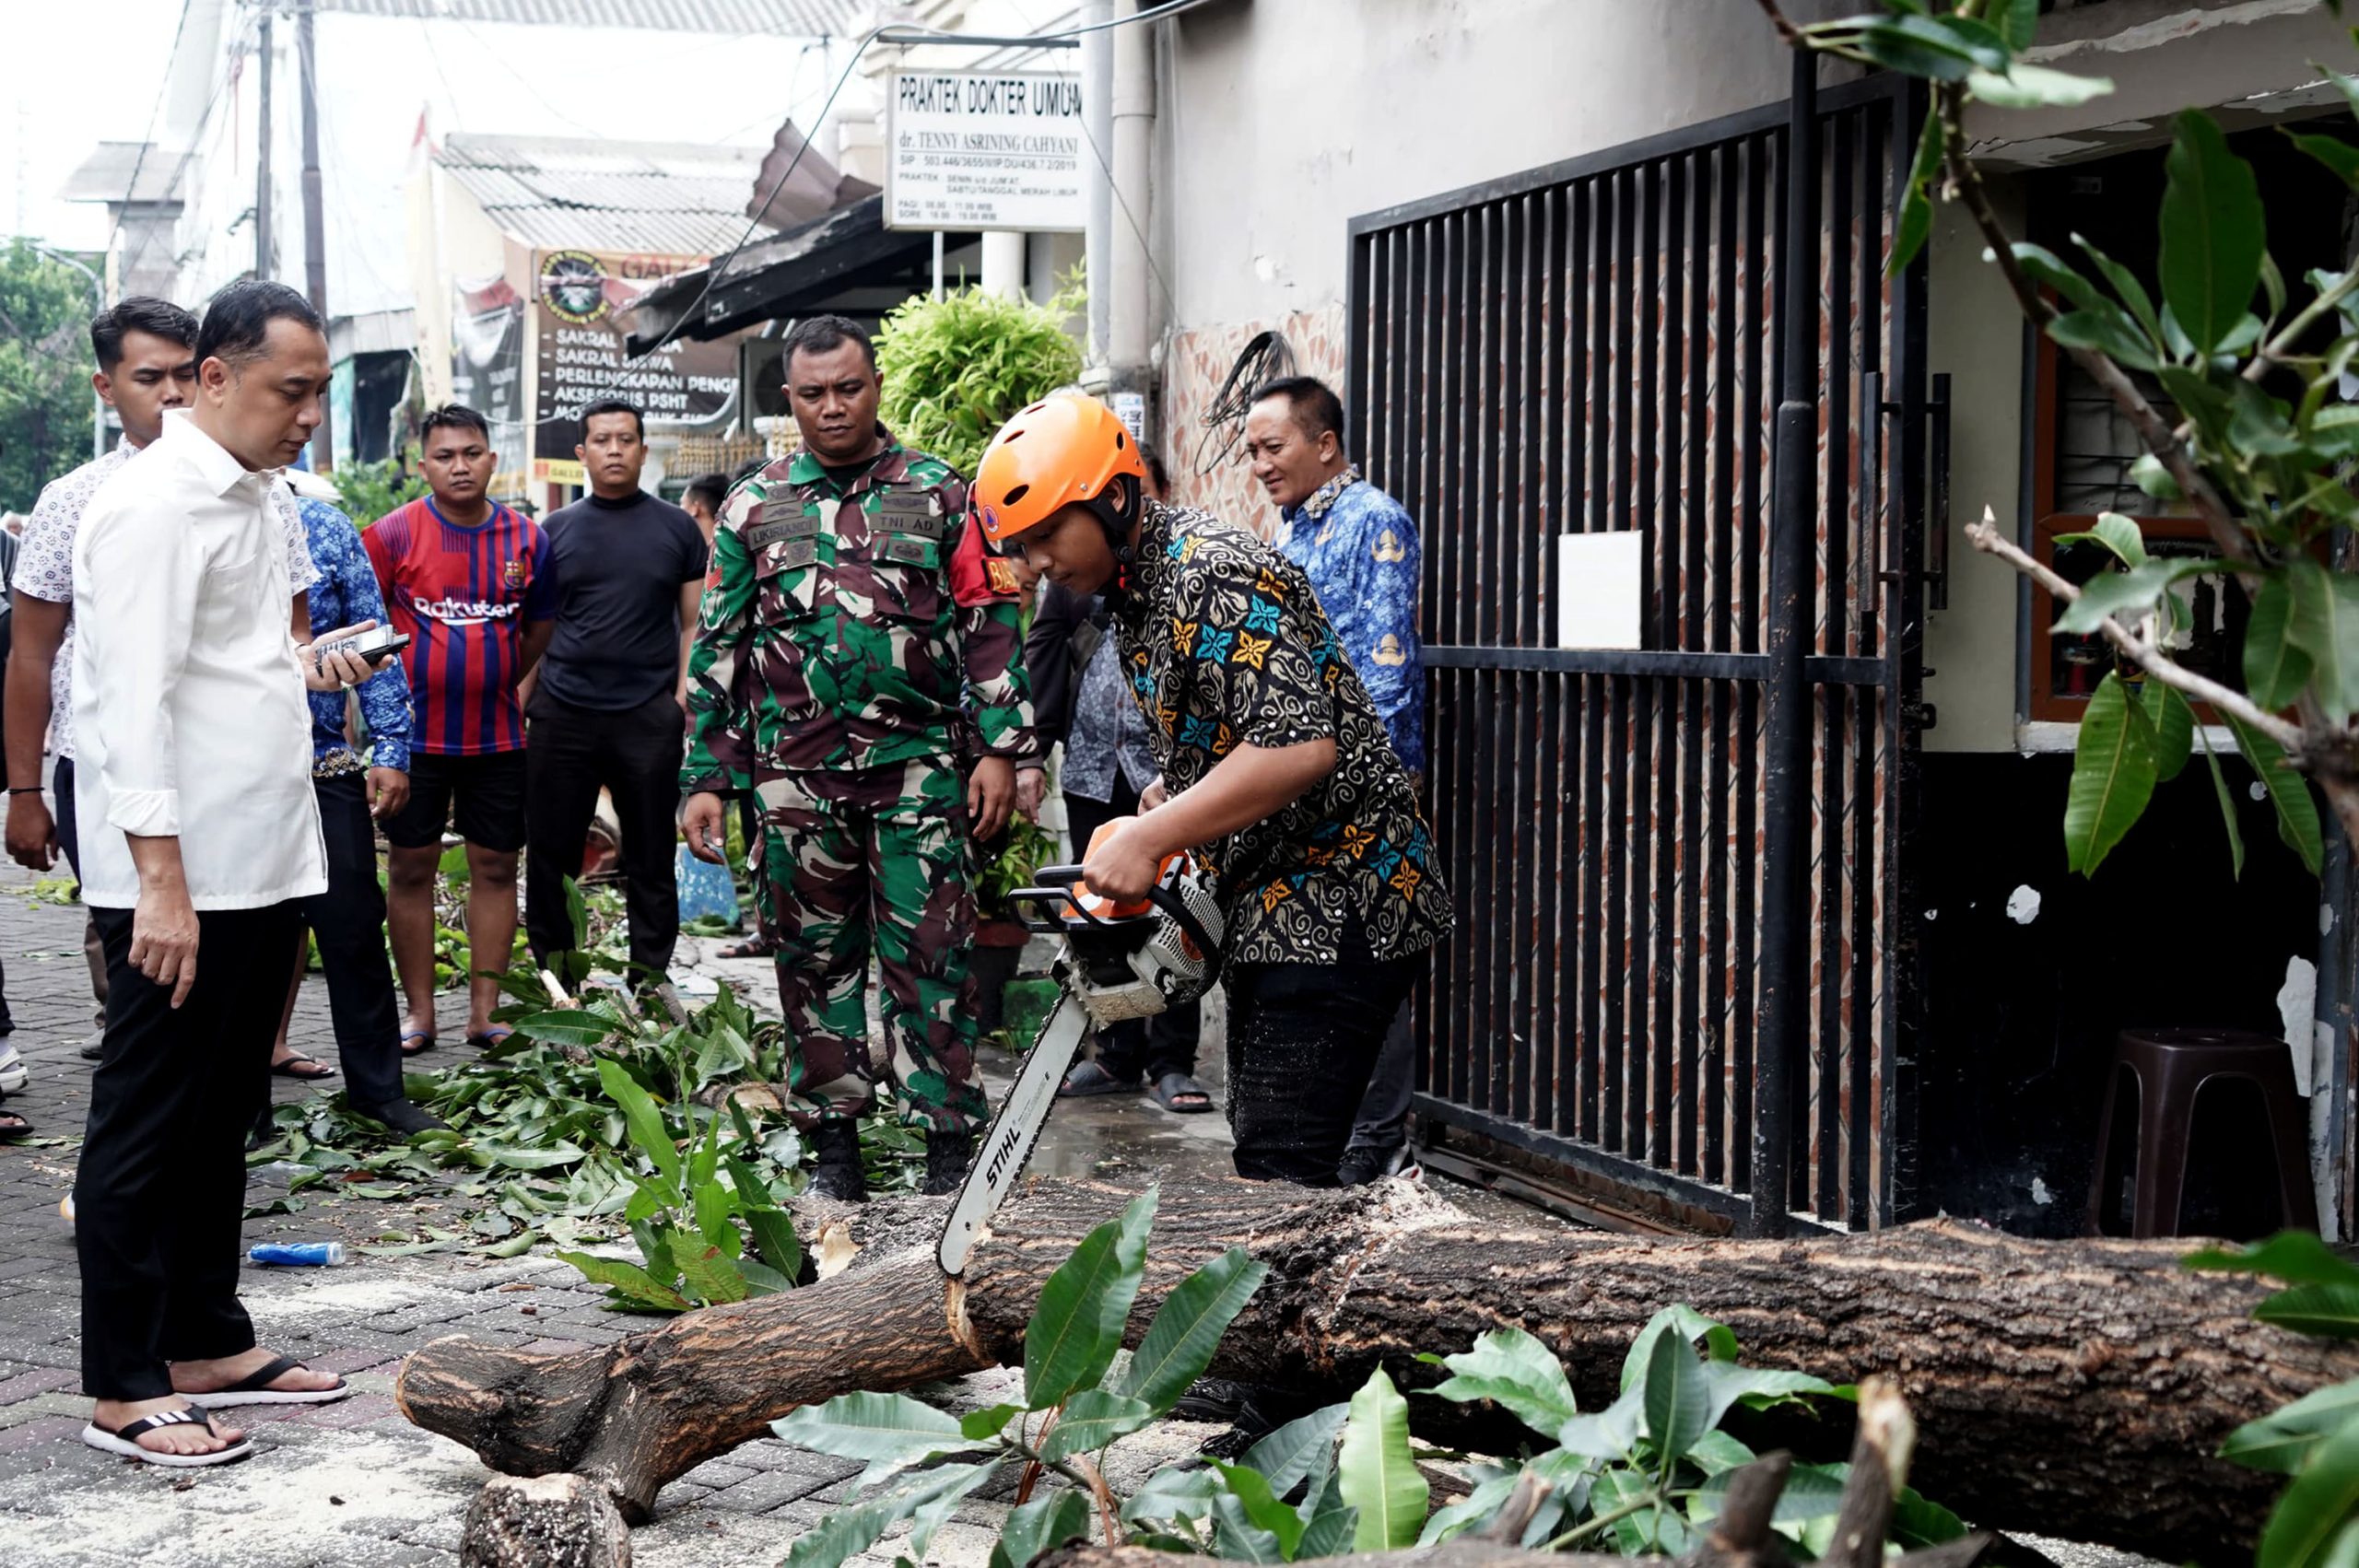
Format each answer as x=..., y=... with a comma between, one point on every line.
x=313, y=1254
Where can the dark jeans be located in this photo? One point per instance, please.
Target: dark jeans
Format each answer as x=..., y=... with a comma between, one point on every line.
x=161, y=1182
x=61, y=787
x=1147, y=1047
x=1303, y=1039
x=348, y=920
x=634, y=753
x=1383, y=1121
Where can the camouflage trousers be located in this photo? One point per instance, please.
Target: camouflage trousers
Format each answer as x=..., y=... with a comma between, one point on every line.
x=874, y=863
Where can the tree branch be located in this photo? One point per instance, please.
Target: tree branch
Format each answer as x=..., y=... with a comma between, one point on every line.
x=1787, y=32
x=1985, y=537
x=1966, y=181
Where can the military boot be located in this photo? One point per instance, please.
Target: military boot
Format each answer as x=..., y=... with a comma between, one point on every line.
x=839, y=1174
x=947, y=1154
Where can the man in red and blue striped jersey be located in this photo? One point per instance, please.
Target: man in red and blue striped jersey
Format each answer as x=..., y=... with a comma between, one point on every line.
x=469, y=581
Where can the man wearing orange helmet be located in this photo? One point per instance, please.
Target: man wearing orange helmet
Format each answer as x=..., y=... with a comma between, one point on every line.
x=1280, y=774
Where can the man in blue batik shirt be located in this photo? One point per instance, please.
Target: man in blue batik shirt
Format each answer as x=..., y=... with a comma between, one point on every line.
x=353, y=793
x=1359, y=548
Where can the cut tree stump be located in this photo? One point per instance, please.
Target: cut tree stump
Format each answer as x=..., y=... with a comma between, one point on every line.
x=2071, y=1388
x=544, y=1522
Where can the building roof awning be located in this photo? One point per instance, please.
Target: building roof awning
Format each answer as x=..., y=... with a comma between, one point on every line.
x=790, y=275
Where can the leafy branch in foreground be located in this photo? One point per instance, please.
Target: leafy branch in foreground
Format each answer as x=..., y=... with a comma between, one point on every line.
x=2248, y=432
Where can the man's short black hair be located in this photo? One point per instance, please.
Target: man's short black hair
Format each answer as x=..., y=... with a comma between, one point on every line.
x=820, y=334
x=236, y=323
x=713, y=489
x=138, y=312
x=454, y=416
x=615, y=405
x=1316, y=407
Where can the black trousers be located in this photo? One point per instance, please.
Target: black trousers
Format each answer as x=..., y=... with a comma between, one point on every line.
x=1303, y=1039
x=634, y=753
x=162, y=1177
x=348, y=921
x=1147, y=1047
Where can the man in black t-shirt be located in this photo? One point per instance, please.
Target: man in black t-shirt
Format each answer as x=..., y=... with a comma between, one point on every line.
x=606, y=711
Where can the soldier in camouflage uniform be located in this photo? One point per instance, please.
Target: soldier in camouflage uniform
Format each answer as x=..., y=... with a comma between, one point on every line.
x=858, y=641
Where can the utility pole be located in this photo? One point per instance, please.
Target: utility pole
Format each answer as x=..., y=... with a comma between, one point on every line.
x=262, y=162
x=315, y=256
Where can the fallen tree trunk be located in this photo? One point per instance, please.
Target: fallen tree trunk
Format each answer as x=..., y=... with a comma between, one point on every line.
x=2072, y=1388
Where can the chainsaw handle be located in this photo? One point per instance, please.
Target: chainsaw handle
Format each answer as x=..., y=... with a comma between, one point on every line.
x=1057, y=884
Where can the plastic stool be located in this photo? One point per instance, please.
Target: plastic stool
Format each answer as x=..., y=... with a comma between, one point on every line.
x=2169, y=1068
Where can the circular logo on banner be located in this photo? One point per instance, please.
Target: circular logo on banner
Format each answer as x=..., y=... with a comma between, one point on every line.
x=573, y=285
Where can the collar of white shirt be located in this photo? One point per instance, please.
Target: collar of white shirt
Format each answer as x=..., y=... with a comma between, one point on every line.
x=214, y=463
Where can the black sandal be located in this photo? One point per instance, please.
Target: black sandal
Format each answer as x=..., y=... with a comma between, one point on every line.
x=1172, y=1088
x=125, y=1440
x=287, y=1068
x=1090, y=1079
x=254, y=1389
x=13, y=1126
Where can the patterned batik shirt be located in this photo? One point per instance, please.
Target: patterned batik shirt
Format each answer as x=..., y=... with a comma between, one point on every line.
x=46, y=565
x=1227, y=644
x=852, y=627
x=346, y=595
x=1358, y=546
x=1107, y=735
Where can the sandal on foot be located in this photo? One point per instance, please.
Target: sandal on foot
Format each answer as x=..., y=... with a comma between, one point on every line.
x=13, y=1126
x=1180, y=1095
x=294, y=1066
x=489, y=1037
x=1091, y=1078
x=751, y=947
x=255, y=1390
x=125, y=1440
x=425, y=1038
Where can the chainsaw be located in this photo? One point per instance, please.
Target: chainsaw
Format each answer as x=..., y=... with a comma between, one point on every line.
x=1120, y=961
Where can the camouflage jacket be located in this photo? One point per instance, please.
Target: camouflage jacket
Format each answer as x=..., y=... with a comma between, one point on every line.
x=853, y=626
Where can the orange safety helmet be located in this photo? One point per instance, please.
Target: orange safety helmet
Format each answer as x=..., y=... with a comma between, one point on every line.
x=1061, y=450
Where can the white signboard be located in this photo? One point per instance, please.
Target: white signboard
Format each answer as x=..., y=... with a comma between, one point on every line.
x=978, y=149
x=1600, y=579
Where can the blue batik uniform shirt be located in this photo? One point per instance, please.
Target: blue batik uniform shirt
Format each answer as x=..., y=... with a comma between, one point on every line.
x=1358, y=548
x=346, y=594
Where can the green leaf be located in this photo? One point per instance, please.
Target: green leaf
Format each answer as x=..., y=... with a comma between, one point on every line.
x=1716, y=1451
x=649, y=1134
x=774, y=1239
x=1251, y=1489
x=2044, y=265
x=2316, y=1507
x=2276, y=664
x=1172, y=1494
x=567, y=1026
x=2108, y=332
x=709, y=1274
x=1379, y=1477
x=2126, y=286
x=869, y=1426
x=2332, y=151
x=1302, y=1447
x=1236, y=1539
x=2116, y=533
x=946, y=1487
x=2212, y=232
x=1916, y=1522
x=2298, y=1257
x=1679, y=1400
x=981, y=1426
x=2282, y=1439
x=2289, y=792
x=1915, y=220
x=1516, y=1372
x=1470, y=1510
x=1187, y=1329
x=845, y=1531
x=627, y=1280
x=2017, y=21
x=2035, y=87
x=1091, y=1420
x=1691, y=1325
x=2125, y=596
x=2228, y=809
x=1941, y=50
x=1078, y=1325
x=1755, y=1387
x=1334, y=1523
x=2332, y=1311
x=2113, y=775
x=2174, y=722
x=1610, y=1434
x=1045, y=1522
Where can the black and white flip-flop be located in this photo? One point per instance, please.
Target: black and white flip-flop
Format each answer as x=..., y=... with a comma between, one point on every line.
x=255, y=1390
x=124, y=1440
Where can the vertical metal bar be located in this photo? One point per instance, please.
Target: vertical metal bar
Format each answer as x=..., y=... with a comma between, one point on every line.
x=1785, y=951
x=1597, y=963
x=1822, y=1093
x=1860, y=1030
x=1694, y=937
x=1556, y=982
x=1728, y=415
x=1751, y=420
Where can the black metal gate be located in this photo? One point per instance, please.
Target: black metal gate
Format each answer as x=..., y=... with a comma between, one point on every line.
x=1598, y=346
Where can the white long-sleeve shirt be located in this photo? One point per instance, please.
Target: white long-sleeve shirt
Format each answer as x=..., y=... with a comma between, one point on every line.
x=188, y=700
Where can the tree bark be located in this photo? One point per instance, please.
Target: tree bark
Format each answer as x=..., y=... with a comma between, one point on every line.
x=549, y=1522
x=2072, y=1388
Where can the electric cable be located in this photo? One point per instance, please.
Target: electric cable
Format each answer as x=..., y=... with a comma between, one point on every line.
x=1264, y=359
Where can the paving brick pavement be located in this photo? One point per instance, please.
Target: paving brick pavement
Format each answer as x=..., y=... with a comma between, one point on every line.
x=353, y=1485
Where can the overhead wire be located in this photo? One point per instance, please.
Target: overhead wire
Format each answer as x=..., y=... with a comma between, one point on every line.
x=195, y=140
x=148, y=136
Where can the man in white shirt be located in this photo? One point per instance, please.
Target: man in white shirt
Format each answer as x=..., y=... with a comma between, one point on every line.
x=198, y=831
x=145, y=350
